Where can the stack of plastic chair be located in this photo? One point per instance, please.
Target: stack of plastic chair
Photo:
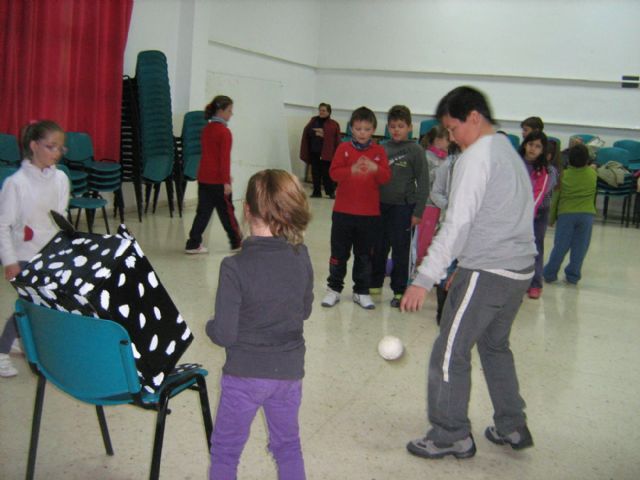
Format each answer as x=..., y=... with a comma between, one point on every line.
x=426, y=125
x=625, y=190
x=192, y=126
x=156, y=125
x=9, y=151
x=633, y=147
x=92, y=360
x=81, y=198
x=348, y=134
x=585, y=137
x=130, y=155
x=103, y=176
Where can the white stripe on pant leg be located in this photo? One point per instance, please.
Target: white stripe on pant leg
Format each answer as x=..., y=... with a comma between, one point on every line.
x=456, y=323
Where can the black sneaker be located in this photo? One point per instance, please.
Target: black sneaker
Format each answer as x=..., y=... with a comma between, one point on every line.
x=465, y=448
x=316, y=195
x=395, y=301
x=518, y=439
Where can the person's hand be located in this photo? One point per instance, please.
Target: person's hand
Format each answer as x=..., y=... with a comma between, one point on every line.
x=319, y=132
x=360, y=167
x=11, y=271
x=413, y=299
x=227, y=189
x=415, y=221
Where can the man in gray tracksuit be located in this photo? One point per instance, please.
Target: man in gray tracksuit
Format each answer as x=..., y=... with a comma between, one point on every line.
x=489, y=229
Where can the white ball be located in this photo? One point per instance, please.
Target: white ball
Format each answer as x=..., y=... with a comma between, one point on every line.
x=390, y=347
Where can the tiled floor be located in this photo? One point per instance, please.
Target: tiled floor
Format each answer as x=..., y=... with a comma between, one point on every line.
x=576, y=352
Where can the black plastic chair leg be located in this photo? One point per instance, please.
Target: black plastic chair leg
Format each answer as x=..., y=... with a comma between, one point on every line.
x=163, y=405
x=35, y=427
x=169, y=185
x=106, y=222
x=137, y=187
x=147, y=196
x=156, y=194
x=104, y=430
x=206, y=409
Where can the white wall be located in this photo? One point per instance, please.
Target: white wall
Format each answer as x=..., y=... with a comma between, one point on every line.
x=560, y=60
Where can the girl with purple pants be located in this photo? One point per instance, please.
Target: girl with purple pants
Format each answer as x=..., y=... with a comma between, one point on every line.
x=265, y=293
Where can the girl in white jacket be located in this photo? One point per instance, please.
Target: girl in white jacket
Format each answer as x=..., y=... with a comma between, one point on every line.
x=26, y=198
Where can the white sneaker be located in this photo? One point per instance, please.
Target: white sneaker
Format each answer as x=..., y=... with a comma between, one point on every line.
x=364, y=301
x=6, y=367
x=331, y=298
x=195, y=251
x=16, y=348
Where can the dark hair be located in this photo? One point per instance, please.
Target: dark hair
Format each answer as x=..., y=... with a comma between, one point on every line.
x=578, y=155
x=219, y=102
x=540, y=162
x=400, y=112
x=436, y=132
x=36, y=131
x=277, y=198
x=325, y=105
x=461, y=101
x=534, y=123
x=363, y=114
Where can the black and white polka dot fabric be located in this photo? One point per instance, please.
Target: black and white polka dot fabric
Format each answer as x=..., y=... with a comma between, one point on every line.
x=108, y=276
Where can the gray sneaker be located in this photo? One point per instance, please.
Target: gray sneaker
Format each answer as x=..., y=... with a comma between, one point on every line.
x=422, y=447
x=364, y=301
x=331, y=298
x=518, y=439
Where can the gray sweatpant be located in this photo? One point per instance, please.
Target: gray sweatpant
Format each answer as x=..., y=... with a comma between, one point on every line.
x=480, y=308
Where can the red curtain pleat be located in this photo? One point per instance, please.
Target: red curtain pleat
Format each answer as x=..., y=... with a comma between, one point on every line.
x=62, y=60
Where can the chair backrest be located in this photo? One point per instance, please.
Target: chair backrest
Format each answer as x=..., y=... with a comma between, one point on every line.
x=609, y=154
x=514, y=139
x=89, y=358
x=80, y=147
x=426, y=125
x=9, y=150
x=585, y=137
x=631, y=146
x=6, y=172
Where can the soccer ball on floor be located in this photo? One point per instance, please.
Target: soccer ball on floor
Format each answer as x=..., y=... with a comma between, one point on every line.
x=390, y=347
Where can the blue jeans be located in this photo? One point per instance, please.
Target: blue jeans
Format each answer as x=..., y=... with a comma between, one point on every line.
x=240, y=400
x=539, y=230
x=573, y=232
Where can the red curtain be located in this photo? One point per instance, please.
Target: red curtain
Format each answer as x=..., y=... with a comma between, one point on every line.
x=62, y=60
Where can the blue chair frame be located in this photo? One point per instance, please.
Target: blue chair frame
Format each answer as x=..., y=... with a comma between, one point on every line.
x=92, y=360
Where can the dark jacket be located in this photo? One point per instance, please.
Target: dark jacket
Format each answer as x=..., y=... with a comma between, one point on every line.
x=265, y=293
x=330, y=142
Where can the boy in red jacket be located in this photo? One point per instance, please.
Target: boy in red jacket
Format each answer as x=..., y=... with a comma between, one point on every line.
x=359, y=167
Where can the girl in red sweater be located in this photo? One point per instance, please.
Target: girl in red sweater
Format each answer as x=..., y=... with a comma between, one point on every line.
x=214, y=177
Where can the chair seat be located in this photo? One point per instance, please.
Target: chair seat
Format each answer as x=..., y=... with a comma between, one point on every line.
x=87, y=202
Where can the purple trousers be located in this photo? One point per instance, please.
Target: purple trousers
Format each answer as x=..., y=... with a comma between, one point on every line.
x=240, y=399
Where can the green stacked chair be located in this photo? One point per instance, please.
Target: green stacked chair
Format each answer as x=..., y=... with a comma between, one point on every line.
x=156, y=125
x=426, y=125
x=82, y=199
x=6, y=172
x=625, y=191
x=9, y=151
x=633, y=147
x=103, y=176
x=130, y=157
x=192, y=126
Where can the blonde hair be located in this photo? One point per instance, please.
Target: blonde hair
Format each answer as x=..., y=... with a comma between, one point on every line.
x=277, y=198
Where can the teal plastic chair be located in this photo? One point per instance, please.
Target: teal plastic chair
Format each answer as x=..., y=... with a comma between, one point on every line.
x=9, y=150
x=586, y=137
x=633, y=147
x=80, y=156
x=6, y=172
x=515, y=140
x=81, y=199
x=192, y=126
x=625, y=191
x=92, y=360
x=426, y=125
